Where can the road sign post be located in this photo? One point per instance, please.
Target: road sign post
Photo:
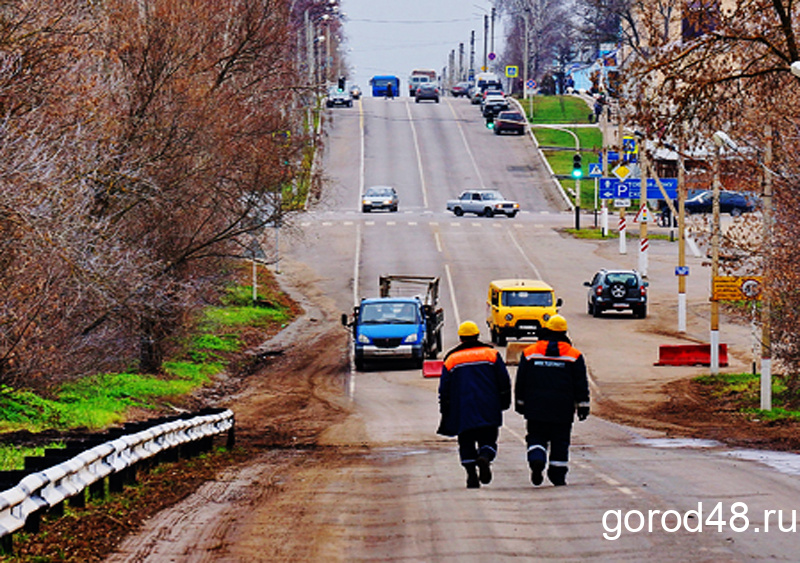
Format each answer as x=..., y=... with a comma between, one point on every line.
x=622, y=231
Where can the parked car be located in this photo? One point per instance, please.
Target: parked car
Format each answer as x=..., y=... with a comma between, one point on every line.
x=460, y=89
x=617, y=290
x=355, y=91
x=483, y=202
x=338, y=97
x=512, y=121
x=427, y=91
x=379, y=197
x=734, y=203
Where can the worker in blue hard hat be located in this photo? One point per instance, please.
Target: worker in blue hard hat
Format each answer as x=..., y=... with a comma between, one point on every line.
x=551, y=387
x=474, y=390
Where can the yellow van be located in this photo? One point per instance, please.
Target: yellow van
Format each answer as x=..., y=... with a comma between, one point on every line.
x=518, y=307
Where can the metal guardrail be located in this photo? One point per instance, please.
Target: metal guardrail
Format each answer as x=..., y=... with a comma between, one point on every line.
x=47, y=489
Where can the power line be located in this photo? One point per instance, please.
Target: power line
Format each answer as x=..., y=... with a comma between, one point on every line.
x=411, y=22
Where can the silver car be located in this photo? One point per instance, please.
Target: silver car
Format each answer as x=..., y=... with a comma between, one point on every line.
x=379, y=197
x=487, y=203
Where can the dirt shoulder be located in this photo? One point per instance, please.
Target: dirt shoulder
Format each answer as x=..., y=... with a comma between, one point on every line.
x=282, y=408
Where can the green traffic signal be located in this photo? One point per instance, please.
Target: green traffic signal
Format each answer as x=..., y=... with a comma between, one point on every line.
x=577, y=170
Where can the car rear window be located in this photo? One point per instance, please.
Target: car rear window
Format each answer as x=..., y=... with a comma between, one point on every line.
x=527, y=298
x=625, y=279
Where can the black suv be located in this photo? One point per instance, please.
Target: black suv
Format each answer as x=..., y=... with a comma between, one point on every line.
x=616, y=290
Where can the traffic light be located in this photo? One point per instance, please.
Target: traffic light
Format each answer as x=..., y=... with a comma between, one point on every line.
x=490, y=120
x=341, y=83
x=577, y=171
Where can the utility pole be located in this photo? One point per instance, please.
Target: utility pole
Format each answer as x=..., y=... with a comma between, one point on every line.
x=681, y=236
x=461, y=62
x=472, y=53
x=766, y=309
x=715, y=228
x=494, y=13
x=484, y=68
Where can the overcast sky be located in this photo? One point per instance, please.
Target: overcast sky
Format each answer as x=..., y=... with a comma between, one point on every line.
x=396, y=36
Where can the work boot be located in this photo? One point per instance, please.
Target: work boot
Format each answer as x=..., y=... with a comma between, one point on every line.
x=537, y=466
x=557, y=476
x=472, y=476
x=484, y=470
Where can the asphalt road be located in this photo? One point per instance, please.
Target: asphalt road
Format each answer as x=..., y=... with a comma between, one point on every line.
x=388, y=488
x=407, y=501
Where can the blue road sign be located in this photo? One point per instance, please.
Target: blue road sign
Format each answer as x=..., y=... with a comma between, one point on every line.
x=612, y=188
x=595, y=170
x=681, y=270
x=613, y=156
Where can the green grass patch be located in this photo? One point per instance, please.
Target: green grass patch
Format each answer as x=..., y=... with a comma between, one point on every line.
x=561, y=161
x=744, y=390
x=216, y=318
x=98, y=401
x=556, y=109
x=588, y=137
x=13, y=457
x=595, y=233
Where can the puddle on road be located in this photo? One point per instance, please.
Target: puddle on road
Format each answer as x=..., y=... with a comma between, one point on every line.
x=677, y=443
x=782, y=461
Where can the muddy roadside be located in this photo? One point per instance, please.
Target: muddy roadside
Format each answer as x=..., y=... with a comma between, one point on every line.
x=282, y=408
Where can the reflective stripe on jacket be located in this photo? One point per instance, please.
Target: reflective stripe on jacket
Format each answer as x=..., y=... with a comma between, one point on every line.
x=551, y=381
x=474, y=389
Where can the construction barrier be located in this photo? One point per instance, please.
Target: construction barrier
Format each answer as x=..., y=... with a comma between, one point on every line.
x=432, y=368
x=514, y=352
x=690, y=355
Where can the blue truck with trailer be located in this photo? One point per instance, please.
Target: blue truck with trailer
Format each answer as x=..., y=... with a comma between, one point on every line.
x=403, y=324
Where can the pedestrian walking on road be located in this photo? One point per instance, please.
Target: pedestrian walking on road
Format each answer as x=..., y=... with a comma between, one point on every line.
x=551, y=386
x=474, y=390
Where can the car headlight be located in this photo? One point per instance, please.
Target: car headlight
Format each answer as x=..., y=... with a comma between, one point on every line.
x=509, y=316
x=365, y=202
x=387, y=202
x=363, y=339
x=410, y=339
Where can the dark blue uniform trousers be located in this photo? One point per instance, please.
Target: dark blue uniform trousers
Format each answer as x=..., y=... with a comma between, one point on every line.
x=556, y=436
x=478, y=442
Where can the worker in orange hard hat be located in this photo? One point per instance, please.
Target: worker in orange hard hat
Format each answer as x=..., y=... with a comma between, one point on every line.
x=474, y=390
x=551, y=386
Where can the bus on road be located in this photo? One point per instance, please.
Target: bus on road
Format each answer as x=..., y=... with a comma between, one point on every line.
x=380, y=84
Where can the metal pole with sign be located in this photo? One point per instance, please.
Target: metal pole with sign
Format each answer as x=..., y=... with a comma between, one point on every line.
x=766, y=310
x=715, y=228
x=681, y=242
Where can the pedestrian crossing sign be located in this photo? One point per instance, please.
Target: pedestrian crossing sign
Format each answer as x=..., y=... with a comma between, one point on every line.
x=595, y=170
x=512, y=71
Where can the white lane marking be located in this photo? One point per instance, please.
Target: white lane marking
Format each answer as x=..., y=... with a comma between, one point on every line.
x=438, y=240
x=419, y=156
x=361, y=163
x=466, y=145
x=452, y=293
x=525, y=256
